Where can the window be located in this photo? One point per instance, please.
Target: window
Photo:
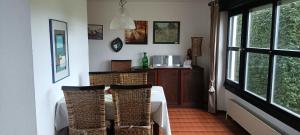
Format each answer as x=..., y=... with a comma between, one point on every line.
x=259, y=33
x=263, y=58
x=234, y=46
x=259, y=37
x=286, y=87
x=233, y=65
x=286, y=93
x=289, y=25
x=257, y=74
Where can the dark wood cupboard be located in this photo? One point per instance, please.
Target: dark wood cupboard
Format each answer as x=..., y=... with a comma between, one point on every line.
x=152, y=77
x=182, y=86
x=168, y=79
x=192, y=87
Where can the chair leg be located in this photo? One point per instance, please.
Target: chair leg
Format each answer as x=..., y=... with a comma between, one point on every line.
x=111, y=130
x=155, y=129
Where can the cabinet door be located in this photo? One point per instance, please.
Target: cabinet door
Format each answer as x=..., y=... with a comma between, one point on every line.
x=191, y=87
x=152, y=77
x=169, y=80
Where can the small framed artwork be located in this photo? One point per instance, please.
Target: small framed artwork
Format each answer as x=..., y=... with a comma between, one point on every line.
x=166, y=32
x=59, y=49
x=196, y=48
x=138, y=35
x=95, y=32
x=197, y=45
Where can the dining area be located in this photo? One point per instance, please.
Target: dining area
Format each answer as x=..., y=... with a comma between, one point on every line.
x=116, y=102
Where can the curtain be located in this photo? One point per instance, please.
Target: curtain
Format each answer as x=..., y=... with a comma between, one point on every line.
x=214, y=32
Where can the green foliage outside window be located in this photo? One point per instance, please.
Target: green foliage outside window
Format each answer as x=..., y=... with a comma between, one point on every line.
x=286, y=89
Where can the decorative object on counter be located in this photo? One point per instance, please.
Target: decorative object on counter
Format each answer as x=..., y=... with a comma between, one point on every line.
x=187, y=64
x=145, y=61
x=166, y=32
x=122, y=20
x=59, y=49
x=95, y=31
x=121, y=65
x=189, y=54
x=138, y=35
x=196, y=49
x=188, y=61
x=117, y=44
x=166, y=61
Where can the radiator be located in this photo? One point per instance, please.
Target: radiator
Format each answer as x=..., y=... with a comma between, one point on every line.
x=247, y=120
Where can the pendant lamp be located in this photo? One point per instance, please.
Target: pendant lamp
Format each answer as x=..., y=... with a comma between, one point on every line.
x=122, y=20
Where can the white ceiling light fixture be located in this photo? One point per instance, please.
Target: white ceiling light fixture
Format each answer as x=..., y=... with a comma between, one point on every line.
x=122, y=20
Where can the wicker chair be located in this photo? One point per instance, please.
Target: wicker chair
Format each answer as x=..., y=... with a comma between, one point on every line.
x=132, y=78
x=103, y=78
x=132, y=109
x=86, y=110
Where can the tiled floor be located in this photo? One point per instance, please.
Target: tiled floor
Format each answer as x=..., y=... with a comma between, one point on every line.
x=192, y=121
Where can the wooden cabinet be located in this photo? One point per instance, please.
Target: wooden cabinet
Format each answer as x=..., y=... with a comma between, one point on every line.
x=152, y=77
x=169, y=80
x=192, y=87
x=182, y=86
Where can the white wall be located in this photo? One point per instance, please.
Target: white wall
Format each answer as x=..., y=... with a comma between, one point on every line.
x=46, y=93
x=17, y=101
x=194, y=17
x=224, y=95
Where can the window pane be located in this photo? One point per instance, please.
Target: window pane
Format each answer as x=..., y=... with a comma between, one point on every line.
x=260, y=23
x=257, y=74
x=233, y=65
x=287, y=83
x=235, y=31
x=289, y=26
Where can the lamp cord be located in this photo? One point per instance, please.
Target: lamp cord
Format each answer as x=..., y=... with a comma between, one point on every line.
x=122, y=3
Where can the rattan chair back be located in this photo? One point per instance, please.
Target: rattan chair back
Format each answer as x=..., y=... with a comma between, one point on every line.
x=132, y=78
x=132, y=109
x=86, y=110
x=103, y=78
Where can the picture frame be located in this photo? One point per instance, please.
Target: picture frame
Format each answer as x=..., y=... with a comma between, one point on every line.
x=197, y=46
x=166, y=32
x=95, y=32
x=138, y=36
x=59, y=49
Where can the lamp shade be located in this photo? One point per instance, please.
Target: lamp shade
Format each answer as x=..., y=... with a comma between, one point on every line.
x=122, y=21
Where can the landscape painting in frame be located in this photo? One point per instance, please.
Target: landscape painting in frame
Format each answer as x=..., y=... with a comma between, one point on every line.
x=138, y=35
x=95, y=32
x=166, y=32
x=59, y=50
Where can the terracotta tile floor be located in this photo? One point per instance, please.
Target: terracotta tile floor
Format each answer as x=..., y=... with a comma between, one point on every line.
x=192, y=121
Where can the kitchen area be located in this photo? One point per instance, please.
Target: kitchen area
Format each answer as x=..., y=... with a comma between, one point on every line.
x=183, y=84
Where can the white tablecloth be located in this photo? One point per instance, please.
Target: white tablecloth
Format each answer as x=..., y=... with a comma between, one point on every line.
x=159, y=110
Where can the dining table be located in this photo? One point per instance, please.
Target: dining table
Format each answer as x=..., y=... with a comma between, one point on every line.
x=159, y=110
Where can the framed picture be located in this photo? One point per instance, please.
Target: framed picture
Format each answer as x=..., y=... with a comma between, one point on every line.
x=197, y=46
x=95, y=32
x=59, y=49
x=139, y=35
x=166, y=32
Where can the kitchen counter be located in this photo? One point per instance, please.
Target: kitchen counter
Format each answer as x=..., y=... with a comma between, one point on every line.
x=159, y=67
